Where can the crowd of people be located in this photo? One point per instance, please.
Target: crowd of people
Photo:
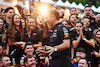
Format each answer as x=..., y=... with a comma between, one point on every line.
x=51, y=40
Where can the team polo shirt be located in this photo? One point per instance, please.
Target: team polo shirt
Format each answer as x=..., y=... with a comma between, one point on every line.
x=36, y=36
x=15, y=51
x=59, y=33
x=82, y=43
x=46, y=41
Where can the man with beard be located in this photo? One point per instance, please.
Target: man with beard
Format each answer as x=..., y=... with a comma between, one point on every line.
x=87, y=12
x=4, y=60
x=73, y=11
x=9, y=12
x=72, y=21
x=30, y=61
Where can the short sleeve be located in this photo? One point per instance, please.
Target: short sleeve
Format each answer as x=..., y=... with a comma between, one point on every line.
x=64, y=33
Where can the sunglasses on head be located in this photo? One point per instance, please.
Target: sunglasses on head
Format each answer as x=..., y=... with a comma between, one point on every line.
x=73, y=8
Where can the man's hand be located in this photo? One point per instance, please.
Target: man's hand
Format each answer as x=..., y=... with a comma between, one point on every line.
x=47, y=61
x=41, y=51
x=50, y=49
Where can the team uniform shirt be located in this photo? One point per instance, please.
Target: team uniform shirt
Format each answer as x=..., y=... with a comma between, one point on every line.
x=59, y=58
x=46, y=41
x=94, y=27
x=36, y=36
x=4, y=44
x=82, y=43
x=59, y=33
x=15, y=51
x=96, y=60
x=6, y=25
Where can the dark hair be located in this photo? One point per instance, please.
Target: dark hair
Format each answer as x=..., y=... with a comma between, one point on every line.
x=92, y=10
x=98, y=23
x=3, y=45
x=86, y=6
x=3, y=55
x=26, y=58
x=80, y=49
x=1, y=18
x=7, y=9
x=2, y=10
x=79, y=21
x=28, y=43
x=54, y=12
x=71, y=15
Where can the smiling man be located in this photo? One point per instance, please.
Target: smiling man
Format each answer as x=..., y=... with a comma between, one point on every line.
x=30, y=61
x=5, y=60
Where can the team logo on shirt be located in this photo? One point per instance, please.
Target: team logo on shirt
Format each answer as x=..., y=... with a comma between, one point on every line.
x=84, y=36
x=98, y=45
x=92, y=21
x=34, y=34
x=66, y=35
x=74, y=60
x=54, y=34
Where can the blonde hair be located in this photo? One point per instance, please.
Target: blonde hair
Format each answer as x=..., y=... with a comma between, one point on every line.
x=27, y=20
x=94, y=34
x=3, y=35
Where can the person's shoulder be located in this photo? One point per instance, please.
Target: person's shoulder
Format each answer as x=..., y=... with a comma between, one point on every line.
x=63, y=26
x=86, y=32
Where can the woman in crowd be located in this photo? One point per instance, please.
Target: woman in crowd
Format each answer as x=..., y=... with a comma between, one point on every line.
x=2, y=32
x=39, y=22
x=3, y=37
x=96, y=51
x=24, y=13
x=33, y=34
x=66, y=23
x=15, y=39
x=86, y=23
x=81, y=38
x=23, y=23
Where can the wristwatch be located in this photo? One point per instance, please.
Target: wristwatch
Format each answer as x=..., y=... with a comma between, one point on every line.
x=84, y=39
x=55, y=49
